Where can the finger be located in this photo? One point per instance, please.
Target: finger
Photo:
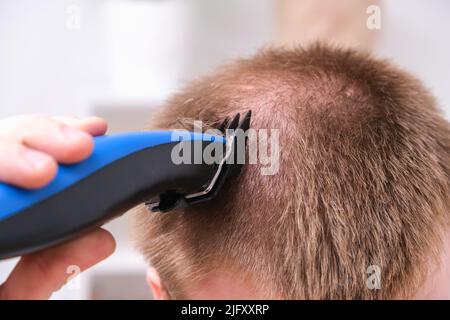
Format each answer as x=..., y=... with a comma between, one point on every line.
x=66, y=144
x=24, y=167
x=38, y=275
x=95, y=126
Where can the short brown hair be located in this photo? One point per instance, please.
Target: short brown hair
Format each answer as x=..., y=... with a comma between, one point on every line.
x=364, y=179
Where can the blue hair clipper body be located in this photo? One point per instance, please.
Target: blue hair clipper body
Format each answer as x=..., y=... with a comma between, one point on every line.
x=123, y=171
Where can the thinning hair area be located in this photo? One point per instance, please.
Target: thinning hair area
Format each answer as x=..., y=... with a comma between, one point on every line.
x=363, y=180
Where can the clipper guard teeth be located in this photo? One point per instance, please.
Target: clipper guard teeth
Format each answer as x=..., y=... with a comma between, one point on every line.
x=170, y=200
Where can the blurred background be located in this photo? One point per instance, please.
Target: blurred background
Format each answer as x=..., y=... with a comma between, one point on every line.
x=121, y=58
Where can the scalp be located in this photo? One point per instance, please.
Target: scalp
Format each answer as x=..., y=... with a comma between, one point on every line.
x=364, y=178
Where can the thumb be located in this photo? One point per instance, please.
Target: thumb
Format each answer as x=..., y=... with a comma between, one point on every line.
x=38, y=275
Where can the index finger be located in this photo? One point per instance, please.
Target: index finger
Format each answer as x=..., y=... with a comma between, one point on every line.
x=95, y=126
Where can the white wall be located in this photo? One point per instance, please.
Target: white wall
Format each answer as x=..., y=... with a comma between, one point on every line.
x=45, y=66
x=125, y=50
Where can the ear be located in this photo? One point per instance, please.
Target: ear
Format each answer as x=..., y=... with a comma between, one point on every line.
x=154, y=282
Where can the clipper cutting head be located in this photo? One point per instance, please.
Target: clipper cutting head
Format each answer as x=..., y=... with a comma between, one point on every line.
x=229, y=165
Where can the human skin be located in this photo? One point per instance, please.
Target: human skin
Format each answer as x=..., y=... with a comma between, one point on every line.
x=31, y=146
x=223, y=284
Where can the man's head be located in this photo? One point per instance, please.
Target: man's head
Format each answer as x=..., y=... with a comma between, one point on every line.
x=363, y=184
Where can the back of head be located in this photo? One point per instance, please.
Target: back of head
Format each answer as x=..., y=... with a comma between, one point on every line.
x=363, y=180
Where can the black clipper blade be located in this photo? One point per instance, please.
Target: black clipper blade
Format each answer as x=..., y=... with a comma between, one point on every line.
x=230, y=165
